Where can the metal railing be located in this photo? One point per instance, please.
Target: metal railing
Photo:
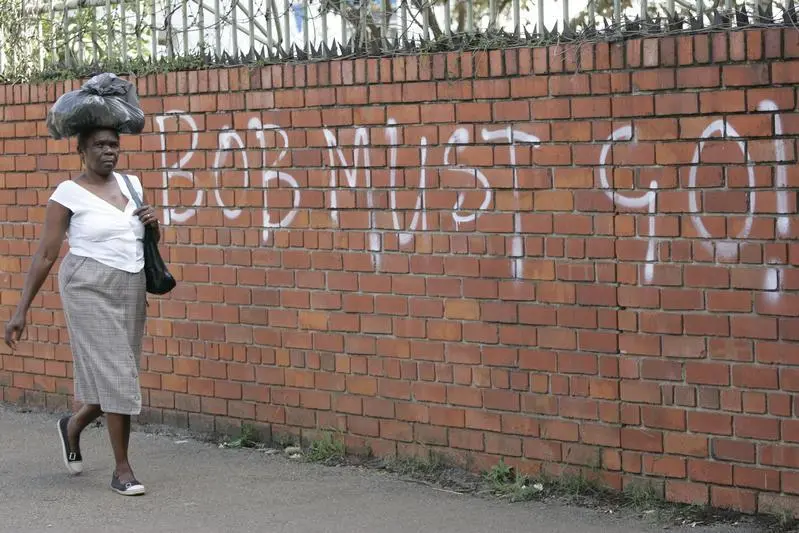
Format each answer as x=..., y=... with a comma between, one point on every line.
x=47, y=34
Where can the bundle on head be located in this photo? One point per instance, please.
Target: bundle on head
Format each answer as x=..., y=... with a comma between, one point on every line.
x=105, y=101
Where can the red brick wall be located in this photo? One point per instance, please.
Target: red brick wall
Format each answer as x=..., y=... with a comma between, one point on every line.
x=466, y=251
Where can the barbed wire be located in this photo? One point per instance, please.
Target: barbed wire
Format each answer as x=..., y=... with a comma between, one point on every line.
x=169, y=34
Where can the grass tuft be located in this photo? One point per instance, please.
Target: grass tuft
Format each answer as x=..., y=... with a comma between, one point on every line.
x=418, y=466
x=248, y=438
x=327, y=449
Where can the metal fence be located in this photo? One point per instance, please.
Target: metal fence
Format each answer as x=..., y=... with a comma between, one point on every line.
x=41, y=35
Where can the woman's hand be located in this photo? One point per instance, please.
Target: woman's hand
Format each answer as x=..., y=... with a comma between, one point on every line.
x=147, y=216
x=56, y=222
x=14, y=329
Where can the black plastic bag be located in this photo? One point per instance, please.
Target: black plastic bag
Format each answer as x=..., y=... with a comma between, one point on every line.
x=105, y=101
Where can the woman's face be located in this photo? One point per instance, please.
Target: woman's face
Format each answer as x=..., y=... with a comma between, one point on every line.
x=100, y=151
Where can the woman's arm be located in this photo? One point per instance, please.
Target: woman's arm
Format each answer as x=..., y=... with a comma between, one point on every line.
x=147, y=215
x=56, y=222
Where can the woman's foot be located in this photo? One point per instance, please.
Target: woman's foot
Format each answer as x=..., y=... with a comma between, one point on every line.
x=128, y=487
x=71, y=455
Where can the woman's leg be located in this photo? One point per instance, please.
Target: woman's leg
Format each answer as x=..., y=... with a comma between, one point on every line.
x=119, y=432
x=87, y=414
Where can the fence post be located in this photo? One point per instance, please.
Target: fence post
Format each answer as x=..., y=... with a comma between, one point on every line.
x=251, y=27
x=53, y=48
x=405, y=18
x=40, y=34
x=287, y=25
x=185, y=20
x=67, y=50
x=269, y=39
x=541, y=26
x=323, y=16
x=360, y=38
x=137, y=9
x=385, y=18
x=218, y=28
x=123, y=17
x=343, y=26
x=110, y=29
x=154, y=27
x=426, y=20
x=306, y=38
x=95, y=38
x=201, y=25
x=170, y=29
x=2, y=51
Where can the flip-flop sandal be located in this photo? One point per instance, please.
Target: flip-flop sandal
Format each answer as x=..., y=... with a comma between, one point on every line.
x=129, y=488
x=72, y=460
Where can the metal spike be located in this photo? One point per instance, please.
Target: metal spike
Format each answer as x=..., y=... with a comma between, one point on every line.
x=569, y=32
x=765, y=14
x=327, y=51
x=374, y=46
x=722, y=18
x=741, y=17
x=674, y=23
x=789, y=16
x=653, y=24
x=631, y=27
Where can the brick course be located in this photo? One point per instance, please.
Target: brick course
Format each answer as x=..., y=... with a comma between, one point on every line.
x=569, y=258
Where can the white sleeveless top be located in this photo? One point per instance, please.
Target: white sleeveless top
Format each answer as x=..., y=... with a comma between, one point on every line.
x=101, y=231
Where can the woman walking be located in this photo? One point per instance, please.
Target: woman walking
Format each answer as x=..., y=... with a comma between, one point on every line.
x=102, y=286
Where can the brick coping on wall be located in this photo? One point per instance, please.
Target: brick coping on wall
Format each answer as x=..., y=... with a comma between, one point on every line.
x=497, y=269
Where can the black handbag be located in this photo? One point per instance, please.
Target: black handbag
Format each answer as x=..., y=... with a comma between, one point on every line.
x=159, y=280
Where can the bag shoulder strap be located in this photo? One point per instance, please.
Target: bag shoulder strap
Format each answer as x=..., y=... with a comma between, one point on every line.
x=133, y=192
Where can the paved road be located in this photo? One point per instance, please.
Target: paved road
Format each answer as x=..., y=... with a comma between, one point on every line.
x=197, y=487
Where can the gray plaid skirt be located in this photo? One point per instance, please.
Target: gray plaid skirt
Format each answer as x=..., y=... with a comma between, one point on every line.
x=105, y=311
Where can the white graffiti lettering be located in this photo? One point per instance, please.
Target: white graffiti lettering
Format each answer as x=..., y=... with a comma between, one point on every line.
x=359, y=166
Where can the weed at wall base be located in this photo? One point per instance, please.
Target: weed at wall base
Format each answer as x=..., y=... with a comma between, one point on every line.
x=327, y=449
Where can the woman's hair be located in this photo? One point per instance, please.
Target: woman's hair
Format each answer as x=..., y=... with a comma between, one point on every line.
x=84, y=135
